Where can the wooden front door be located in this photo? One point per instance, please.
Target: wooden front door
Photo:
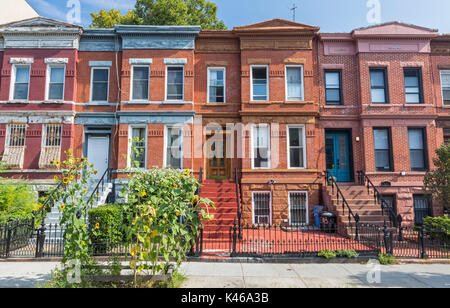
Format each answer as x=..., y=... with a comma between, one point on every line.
x=217, y=165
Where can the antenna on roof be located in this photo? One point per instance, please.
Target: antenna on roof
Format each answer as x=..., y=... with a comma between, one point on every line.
x=294, y=8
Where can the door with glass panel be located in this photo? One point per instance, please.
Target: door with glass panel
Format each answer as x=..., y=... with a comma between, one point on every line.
x=217, y=164
x=337, y=150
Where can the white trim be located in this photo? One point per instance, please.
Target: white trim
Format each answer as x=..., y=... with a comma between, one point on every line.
x=131, y=84
x=303, y=127
x=184, y=84
x=47, y=81
x=307, y=206
x=139, y=61
x=253, y=205
x=251, y=82
x=13, y=82
x=92, y=84
x=130, y=140
x=56, y=60
x=8, y=133
x=224, y=69
x=21, y=60
x=302, y=82
x=175, y=61
x=166, y=135
x=442, y=88
x=269, y=160
x=44, y=134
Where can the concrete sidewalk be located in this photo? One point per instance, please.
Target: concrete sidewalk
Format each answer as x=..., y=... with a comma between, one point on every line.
x=248, y=275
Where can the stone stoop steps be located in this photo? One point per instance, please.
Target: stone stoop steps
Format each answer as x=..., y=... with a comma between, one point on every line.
x=52, y=229
x=361, y=203
x=223, y=194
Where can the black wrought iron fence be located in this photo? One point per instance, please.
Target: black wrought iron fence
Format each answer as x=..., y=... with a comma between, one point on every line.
x=15, y=235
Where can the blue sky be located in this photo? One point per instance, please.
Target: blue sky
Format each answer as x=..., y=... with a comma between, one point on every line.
x=330, y=15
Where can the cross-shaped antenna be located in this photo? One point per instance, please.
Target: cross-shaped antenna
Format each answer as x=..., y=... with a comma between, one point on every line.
x=294, y=7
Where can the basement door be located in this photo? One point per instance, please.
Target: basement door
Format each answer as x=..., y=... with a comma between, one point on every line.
x=337, y=148
x=98, y=153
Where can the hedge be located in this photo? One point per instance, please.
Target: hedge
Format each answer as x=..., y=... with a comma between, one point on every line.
x=110, y=220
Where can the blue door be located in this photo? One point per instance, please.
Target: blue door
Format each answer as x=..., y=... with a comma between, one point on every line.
x=338, y=156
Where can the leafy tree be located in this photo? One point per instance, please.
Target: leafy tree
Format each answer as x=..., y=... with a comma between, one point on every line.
x=107, y=19
x=437, y=181
x=163, y=12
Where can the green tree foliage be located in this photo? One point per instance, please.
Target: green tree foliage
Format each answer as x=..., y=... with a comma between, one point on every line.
x=437, y=181
x=163, y=12
x=16, y=201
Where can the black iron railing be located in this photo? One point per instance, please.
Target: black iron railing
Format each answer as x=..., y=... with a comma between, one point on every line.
x=394, y=219
x=352, y=217
x=47, y=205
x=238, y=200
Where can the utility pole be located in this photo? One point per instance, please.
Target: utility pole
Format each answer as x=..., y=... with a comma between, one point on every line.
x=294, y=7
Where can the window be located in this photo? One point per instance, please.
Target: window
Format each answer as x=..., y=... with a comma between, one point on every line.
x=390, y=201
x=260, y=83
x=413, y=85
x=445, y=84
x=378, y=86
x=140, y=89
x=262, y=208
x=296, y=147
x=261, y=146
x=174, y=147
x=52, y=135
x=139, y=142
x=16, y=136
x=333, y=87
x=216, y=85
x=446, y=135
x=417, y=151
x=383, y=149
x=51, y=145
x=100, y=85
x=422, y=208
x=298, y=208
x=21, y=83
x=56, y=77
x=175, y=83
x=294, y=83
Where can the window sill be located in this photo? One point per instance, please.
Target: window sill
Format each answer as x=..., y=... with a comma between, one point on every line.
x=157, y=103
x=299, y=102
x=58, y=102
x=18, y=102
x=280, y=170
x=335, y=107
x=98, y=103
x=418, y=105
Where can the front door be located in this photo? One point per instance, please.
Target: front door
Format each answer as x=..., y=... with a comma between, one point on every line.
x=217, y=165
x=98, y=153
x=337, y=149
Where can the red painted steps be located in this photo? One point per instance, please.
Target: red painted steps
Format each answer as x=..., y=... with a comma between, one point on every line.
x=223, y=194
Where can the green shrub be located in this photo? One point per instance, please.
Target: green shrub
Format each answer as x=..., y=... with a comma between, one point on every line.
x=327, y=254
x=438, y=227
x=347, y=253
x=386, y=259
x=16, y=201
x=107, y=221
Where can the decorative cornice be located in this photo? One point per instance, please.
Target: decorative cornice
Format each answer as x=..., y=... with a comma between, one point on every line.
x=21, y=60
x=56, y=60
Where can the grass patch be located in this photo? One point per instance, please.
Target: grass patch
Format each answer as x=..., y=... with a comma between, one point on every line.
x=386, y=259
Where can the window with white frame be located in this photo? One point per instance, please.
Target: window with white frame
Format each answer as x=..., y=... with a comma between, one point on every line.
x=175, y=83
x=16, y=135
x=260, y=82
x=21, y=82
x=140, y=86
x=139, y=148
x=262, y=208
x=216, y=84
x=51, y=145
x=296, y=147
x=294, y=83
x=445, y=84
x=174, y=147
x=56, y=79
x=100, y=84
x=261, y=146
x=298, y=208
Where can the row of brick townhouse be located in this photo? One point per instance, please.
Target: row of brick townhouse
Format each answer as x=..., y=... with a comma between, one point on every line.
x=277, y=101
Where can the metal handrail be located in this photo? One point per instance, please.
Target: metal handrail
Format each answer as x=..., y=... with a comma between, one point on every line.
x=345, y=204
x=42, y=210
x=393, y=217
x=106, y=175
x=238, y=200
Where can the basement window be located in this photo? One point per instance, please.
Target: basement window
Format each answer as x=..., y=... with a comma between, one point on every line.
x=298, y=208
x=262, y=208
x=51, y=146
x=15, y=146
